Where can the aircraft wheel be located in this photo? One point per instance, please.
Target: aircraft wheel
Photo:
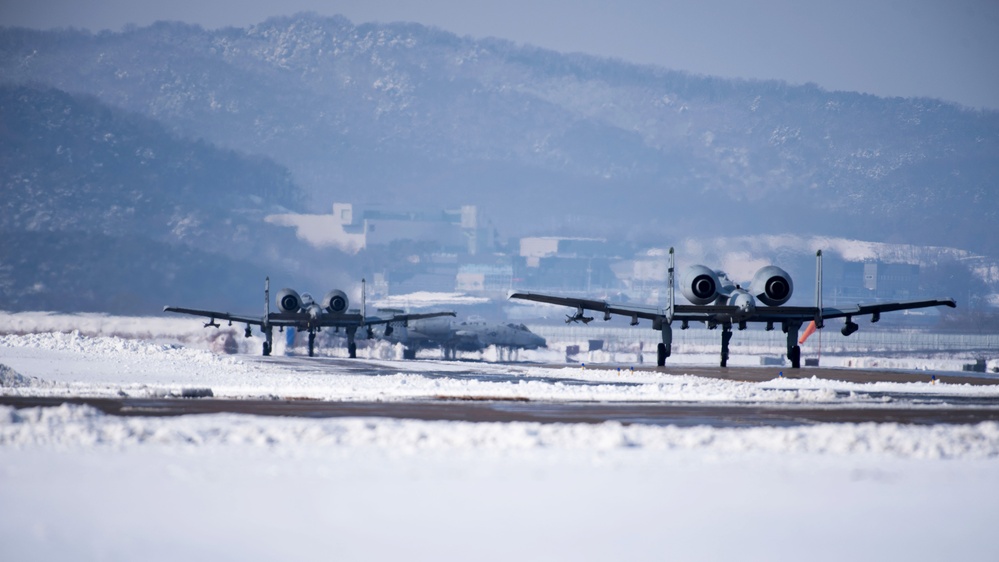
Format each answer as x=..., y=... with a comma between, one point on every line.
x=267, y=349
x=409, y=354
x=352, y=350
x=661, y=355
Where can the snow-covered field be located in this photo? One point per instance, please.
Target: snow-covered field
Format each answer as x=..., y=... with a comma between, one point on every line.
x=79, y=484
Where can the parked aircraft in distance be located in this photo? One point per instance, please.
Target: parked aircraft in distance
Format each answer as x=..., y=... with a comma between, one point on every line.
x=303, y=313
x=717, y=301
x=473, y=334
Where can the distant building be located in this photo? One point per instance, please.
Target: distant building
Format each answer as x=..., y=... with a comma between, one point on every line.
x=891, y=280
x=574, y=265
x=459, y=231
x=454, y=230
x=874, y=280
x=535, y=248
x=478, y=278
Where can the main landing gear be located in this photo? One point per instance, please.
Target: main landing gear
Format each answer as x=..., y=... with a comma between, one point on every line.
x=726, y=339
x=791, y=328
x=351, y=344
x=268, y=339
x=793, y=350
x=664, y=349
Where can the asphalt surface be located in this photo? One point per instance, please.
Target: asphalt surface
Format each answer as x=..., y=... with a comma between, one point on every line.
x=679, y=414
x=878, y=407
x=472, y=369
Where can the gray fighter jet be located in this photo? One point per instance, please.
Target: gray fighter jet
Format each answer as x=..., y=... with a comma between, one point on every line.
x=473, y=334
x=305, y=314
x=717, y=301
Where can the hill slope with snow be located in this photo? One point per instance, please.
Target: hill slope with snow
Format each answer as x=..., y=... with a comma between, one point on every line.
x=377, y=112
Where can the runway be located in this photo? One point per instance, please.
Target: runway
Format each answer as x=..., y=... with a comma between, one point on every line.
x=875, y=406
x=760, y=374
x=498, y=411
x=743, y=374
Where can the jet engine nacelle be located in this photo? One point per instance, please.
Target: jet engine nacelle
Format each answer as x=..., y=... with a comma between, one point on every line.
x=772, y=285
x=700, y=285
x=289, y=301
x=335, y=302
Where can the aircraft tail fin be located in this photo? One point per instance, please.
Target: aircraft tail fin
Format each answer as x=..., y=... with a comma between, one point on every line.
x=267, y=298
x=670, y=289
x=818, y=290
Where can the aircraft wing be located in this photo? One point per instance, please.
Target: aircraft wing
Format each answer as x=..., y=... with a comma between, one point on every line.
x=639, y=311
x=834, y=312
x=706, y=313
x=407, y=317
x=302, y=319
x=681, y=312
x=804, y=313
x=213, y=315
x=347, y=320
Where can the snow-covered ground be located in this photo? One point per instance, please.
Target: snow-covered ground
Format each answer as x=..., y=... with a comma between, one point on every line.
x=76, y=365
x=79, y=484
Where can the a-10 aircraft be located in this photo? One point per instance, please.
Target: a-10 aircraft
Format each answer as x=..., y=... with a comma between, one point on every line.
x=472, y=334
x=717, y=301
x=303, y=313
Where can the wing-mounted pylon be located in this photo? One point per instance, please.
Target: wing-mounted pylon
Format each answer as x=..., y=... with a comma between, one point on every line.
x=578, y=317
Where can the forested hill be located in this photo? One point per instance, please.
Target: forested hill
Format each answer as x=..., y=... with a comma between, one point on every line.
x=107, y=210
x=550, y=143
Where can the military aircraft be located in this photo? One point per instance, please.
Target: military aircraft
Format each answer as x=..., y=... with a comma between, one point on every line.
x=468, y=335
x=303, y=313
x=717, y=301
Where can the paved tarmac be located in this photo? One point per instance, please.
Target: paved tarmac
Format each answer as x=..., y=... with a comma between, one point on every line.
x=744, y=374
x=883, y=407
x=759, y=374
x=680, y=414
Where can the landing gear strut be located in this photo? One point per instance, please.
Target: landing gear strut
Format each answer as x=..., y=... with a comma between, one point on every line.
x=268, y=340
x=793, y=350
x=726, y=338
x=351, y=344
x=312, y=343
x=665, y=348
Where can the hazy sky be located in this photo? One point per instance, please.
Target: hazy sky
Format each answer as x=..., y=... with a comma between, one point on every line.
x=945, y=49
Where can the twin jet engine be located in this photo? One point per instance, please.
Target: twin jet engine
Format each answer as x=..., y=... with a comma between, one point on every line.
x=703, y=286
x=335, y=302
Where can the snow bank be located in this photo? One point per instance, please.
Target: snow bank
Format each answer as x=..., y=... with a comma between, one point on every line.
x=71, y=426
x=11, y=378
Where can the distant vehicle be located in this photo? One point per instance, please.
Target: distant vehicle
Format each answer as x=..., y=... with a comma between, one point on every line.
x=473, y=334
x=304, y=313
x=717, y=301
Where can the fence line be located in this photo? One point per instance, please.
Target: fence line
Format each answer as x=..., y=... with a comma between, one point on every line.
x=831, y=338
